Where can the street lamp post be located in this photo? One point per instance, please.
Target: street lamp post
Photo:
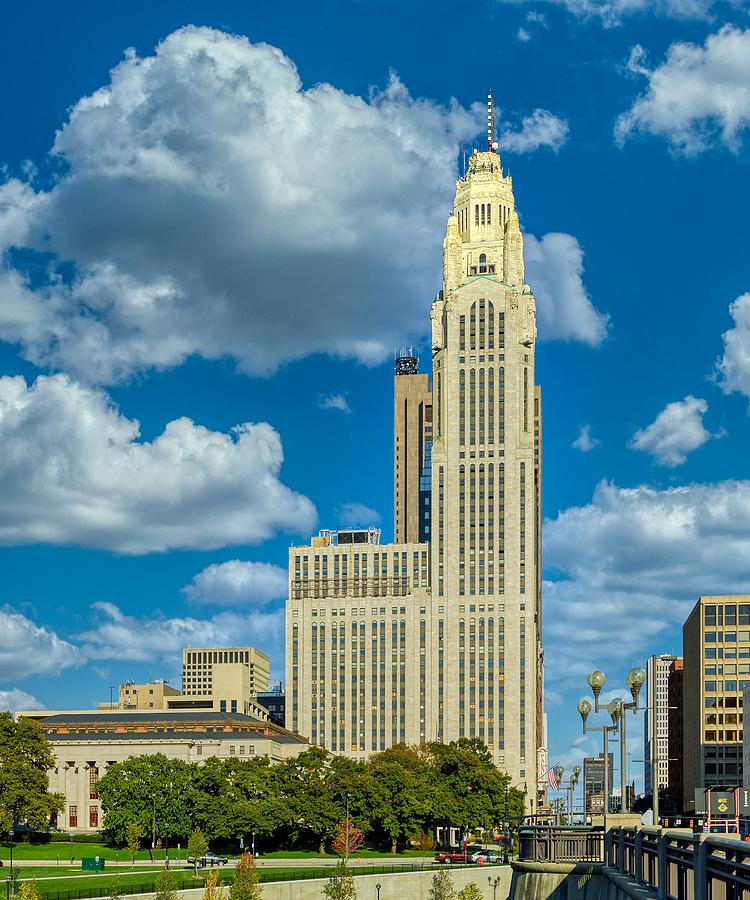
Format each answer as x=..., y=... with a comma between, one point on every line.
x=635, y=681
x=10, y=834
x=584, y=708
x=575, y=775
x=559, y=772
x=377, y=888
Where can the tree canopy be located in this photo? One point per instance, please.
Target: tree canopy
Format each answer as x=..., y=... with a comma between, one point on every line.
x=399, y=795
x=25, y=759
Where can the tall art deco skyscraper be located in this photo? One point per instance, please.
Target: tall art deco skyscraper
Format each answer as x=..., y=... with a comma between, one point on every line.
x=440, y=638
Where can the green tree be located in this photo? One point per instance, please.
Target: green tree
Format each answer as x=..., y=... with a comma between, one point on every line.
x=165, y=887
x=197, y=846
x=246, y=884
x=14, y=881
x=407, y=792
x=29, y=890
x=133, y=837
x=153, y=792
x=470, y=892
x=238, y=797
x=476, y=791
x=115, y=888
x=306, y=780
x=25, y=759
x=442, y=886
x=341, y=886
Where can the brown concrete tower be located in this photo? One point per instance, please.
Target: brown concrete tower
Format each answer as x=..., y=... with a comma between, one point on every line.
x=412, y=441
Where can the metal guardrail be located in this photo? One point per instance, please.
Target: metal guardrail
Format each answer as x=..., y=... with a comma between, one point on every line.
x=682, y=865
x=549, y=844
x=675, y=863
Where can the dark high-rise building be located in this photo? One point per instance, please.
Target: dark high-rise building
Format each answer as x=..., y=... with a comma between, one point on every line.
x=593, y=783
x=676, y=760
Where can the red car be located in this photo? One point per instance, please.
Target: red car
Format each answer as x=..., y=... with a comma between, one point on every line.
x=454, y=856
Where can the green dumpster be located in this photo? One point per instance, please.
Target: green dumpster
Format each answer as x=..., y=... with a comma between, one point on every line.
x=92, y=864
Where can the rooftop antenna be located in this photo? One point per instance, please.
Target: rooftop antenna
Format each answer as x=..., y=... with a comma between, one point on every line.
x=491, y=142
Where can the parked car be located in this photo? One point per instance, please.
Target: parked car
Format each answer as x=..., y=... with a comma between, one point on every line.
x=486, y=856
x=208, y=859
x=452, y=856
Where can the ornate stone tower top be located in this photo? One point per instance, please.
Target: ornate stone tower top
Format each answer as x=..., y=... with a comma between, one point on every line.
x=483, y=235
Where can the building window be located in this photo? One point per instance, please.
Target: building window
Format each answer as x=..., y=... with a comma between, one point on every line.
x=73, y=817
x=93, y=778
x=482, y=263
x=94, y=817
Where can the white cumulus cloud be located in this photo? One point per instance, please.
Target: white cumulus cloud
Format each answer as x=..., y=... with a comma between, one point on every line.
x=698, y=96
x=238, y=583
x=211, y=204
x=28, y=649
x=145, y=639
x=357, y=515
x=632, y=563
x=540, y=129
x=585, y=441
x=733, y=368
x=554, y=269
x=73, y=471
x=334, y=401
x=14, y=699
x=612, y=12
x=675, y=432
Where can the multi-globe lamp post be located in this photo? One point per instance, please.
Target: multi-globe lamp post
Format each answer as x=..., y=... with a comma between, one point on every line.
x=617, y=708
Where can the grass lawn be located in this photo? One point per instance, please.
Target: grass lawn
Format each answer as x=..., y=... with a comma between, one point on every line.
x=67, y=851
x=64, y=851
x=364, y=853
x=57, y=872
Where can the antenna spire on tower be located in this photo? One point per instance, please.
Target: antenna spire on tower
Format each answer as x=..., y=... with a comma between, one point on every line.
x=491, y=145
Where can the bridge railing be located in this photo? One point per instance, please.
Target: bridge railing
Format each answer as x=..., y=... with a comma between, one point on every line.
x=675, y=863
x=679, y=864
x=551, y=844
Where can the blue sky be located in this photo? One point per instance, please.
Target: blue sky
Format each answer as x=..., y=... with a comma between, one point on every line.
x=218, y=232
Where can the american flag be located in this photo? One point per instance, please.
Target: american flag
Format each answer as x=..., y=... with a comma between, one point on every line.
x=552, y=778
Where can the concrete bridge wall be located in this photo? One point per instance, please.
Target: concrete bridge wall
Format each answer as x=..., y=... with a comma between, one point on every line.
x=493, y=881
x=573, y=881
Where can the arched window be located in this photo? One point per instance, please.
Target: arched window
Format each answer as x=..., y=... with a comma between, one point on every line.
x=476, y=214
x=483, y=214
x=482, y=263
x=489, y=214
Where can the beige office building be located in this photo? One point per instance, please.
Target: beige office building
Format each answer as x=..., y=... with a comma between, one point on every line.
x=412, y=443
x=208, y=670
x=150, y=695
x=716, y=650
x=435, y=641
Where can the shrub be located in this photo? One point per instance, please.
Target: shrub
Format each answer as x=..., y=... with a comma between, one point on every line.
x=246, y=884
x=341, y=886
x=165, y=887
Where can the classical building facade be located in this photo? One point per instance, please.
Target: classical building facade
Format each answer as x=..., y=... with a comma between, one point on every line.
x=86, y=743
x=441, y=639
